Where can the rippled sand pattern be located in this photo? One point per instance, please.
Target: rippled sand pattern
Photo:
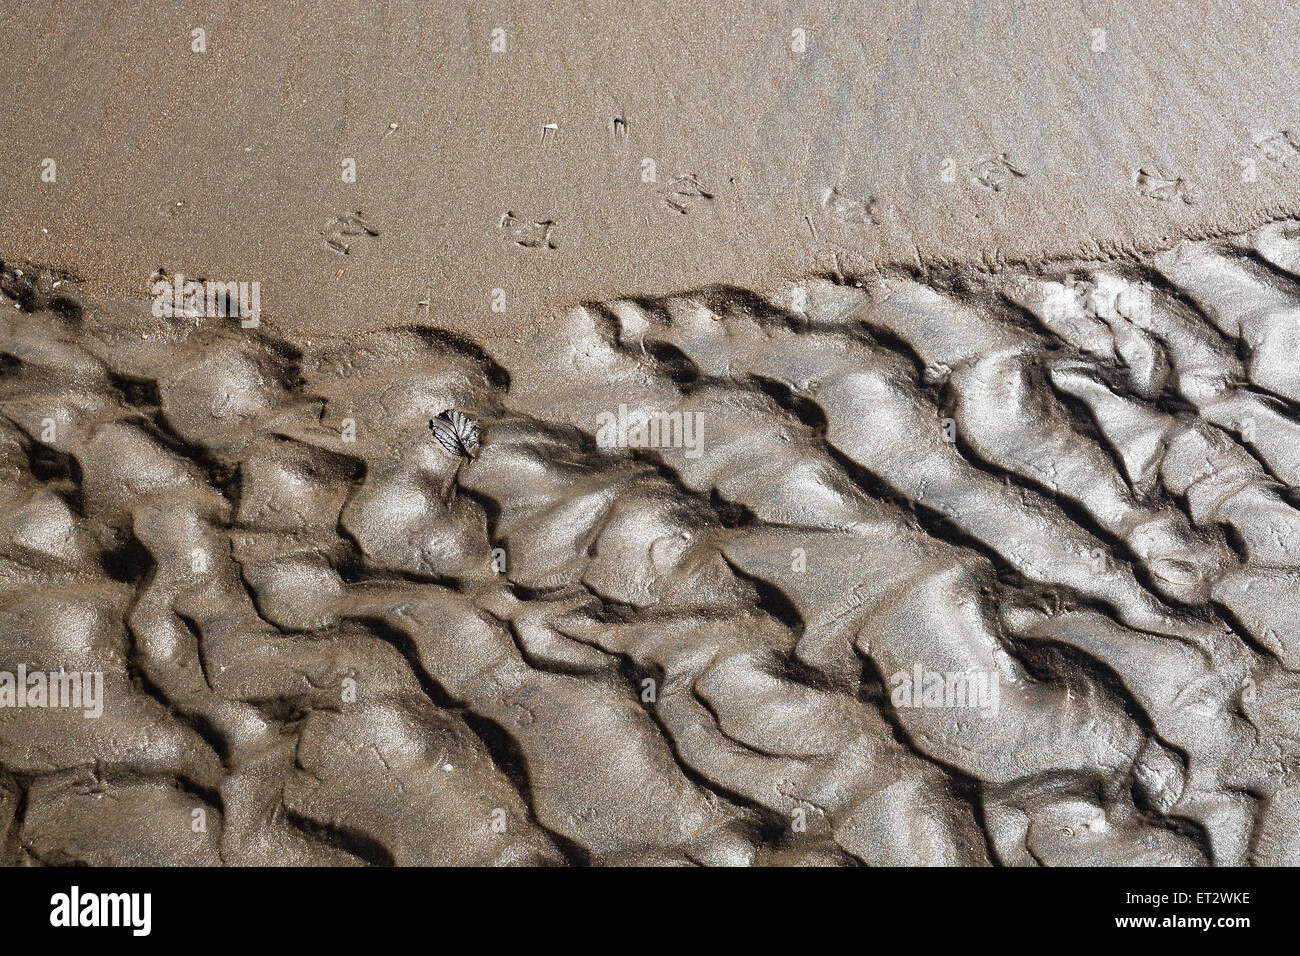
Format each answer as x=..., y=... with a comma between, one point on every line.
x=326, y=639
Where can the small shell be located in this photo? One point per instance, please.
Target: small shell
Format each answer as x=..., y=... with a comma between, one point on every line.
x=456, y=433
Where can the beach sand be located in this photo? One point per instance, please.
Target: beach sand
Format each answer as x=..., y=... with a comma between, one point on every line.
x=898, y=468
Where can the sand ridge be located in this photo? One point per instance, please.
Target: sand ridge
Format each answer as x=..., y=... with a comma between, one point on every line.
x=1067, y=492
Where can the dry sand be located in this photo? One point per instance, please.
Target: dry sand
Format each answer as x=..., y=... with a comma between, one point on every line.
x=1033, y=431
x=227, y=163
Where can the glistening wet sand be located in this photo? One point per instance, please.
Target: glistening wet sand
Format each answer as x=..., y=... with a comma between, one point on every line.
x=345, y=644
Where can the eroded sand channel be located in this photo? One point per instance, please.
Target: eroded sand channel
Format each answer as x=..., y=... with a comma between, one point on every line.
x=956, y=567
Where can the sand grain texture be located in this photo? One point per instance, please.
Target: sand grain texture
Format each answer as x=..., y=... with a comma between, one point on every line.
x=973, y=327
x=1079, y=479
x=948, y=132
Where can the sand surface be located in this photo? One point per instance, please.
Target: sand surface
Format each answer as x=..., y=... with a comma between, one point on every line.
x=799, y=423
x=344, y=643
x=938, y=131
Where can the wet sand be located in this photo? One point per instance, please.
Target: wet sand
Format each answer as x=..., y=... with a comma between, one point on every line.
x=1068, y=491
x=904, y=473
x=903, y=133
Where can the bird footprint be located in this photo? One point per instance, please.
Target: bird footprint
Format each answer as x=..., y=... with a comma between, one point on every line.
x=1162, y=187
x=340, y=229
x=531, y=235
